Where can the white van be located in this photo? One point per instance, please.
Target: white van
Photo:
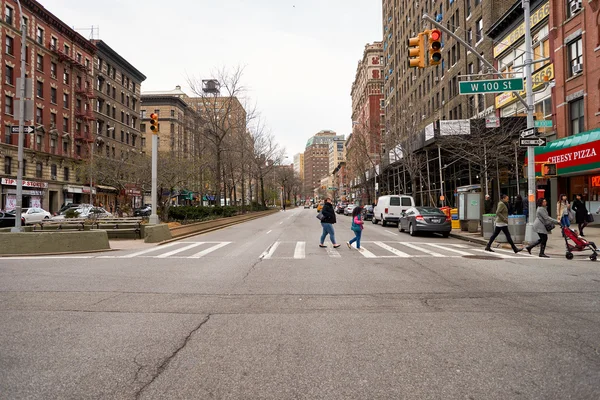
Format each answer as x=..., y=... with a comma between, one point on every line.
x=389, y=208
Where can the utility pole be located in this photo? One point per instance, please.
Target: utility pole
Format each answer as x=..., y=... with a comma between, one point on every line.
x=531, y=186
x=20, y=150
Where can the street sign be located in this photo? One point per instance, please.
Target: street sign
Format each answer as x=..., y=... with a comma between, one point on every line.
x=543, y=123
x=490, y=86
x=26, y=129
x=492, y=122
x=332, y=188
x=528, y=132
x=535, y=142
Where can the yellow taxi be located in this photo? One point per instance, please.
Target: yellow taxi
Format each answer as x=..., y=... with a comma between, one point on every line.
x=319, y=207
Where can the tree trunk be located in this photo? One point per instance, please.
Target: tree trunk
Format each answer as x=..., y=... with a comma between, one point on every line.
x=262, y=191
x=218, y=178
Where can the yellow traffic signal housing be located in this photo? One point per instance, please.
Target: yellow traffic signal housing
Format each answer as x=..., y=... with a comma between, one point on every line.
x=435, y=47
x=416, y=51
x=548, y=169
x=154, y=123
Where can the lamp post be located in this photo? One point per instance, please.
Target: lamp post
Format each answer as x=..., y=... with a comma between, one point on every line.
x=19, y=205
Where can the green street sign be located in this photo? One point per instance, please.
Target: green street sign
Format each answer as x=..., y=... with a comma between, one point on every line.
x=332, y=188
x=490, y=86
x=543, y=123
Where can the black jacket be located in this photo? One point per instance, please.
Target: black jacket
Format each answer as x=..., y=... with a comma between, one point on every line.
x=580, y=211
x=518, y=207
x=328, y=214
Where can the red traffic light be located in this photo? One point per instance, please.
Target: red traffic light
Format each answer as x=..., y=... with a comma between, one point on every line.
x=435, y=35
x=153, y=116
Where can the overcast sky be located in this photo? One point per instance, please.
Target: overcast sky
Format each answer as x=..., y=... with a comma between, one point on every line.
x=300, y=55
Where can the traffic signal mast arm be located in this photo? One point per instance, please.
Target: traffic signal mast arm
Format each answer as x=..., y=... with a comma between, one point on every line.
x=472, y=50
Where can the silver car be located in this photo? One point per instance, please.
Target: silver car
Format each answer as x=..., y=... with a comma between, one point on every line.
x=425, y=219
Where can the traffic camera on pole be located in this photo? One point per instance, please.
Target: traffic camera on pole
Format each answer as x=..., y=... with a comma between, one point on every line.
x=435, y=47
x=416, y=51
x=154, y=123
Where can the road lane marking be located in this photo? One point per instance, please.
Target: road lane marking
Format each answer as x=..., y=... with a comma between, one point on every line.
x=495, y=253
x=139, y=253
x=439, y=246
x=392, y=250
x=270, y=251
x=184, y=248
x=269, y=232
x=366, y=253
x=390, y=233
x=45, y=257
x=209, y=250
x=299, y=252
x=281, y=223
x=333, y=253
x=424, y=250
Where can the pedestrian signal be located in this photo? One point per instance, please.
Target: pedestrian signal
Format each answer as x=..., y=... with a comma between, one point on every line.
x=548, y=169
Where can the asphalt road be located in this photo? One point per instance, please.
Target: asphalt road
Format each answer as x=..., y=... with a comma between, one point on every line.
x=259, y=311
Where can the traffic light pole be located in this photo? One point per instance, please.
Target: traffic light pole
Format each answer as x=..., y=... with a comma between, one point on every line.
x=153, y=216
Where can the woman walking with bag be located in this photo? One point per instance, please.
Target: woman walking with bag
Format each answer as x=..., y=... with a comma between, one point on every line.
x=327, y=222
x=581, y=213
x=357, y=227
x=543, y=226
x=502, y=225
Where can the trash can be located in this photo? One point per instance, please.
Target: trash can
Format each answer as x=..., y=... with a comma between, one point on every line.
x=516, y=227
x=487, y=225
x=473, y=225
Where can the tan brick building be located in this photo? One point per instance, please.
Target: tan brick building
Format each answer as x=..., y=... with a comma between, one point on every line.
x=316, y=160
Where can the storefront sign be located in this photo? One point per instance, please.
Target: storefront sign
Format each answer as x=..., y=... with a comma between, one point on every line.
x=596, y=181
x=13, y=182
x=536, y=17
x=539, y=78
x=579, y=158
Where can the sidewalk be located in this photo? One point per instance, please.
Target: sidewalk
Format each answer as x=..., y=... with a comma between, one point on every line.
x=556, y=243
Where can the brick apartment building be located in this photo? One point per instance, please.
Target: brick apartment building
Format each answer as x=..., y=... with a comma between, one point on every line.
x=59, y=62
x=316, y=160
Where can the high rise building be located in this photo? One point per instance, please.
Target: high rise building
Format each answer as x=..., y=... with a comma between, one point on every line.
x=299, y=165
x=59, y=63
x=316, y=159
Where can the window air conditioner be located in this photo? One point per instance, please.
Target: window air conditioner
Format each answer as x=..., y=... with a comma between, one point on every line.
x=575, y=7
x=577, y=69
x=53, y=177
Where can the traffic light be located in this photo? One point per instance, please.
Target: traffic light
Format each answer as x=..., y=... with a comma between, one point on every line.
x=154, y=123
x=435, y=47
x=416, y=51
x=549, y=169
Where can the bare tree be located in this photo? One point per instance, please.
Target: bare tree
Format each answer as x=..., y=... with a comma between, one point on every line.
x=266, y=154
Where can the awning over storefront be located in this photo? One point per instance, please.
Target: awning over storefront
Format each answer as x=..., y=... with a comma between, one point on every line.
x=78, y=189
x=575, y=154
x=103, y=188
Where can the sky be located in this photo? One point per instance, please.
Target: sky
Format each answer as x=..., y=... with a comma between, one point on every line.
x=299, y=56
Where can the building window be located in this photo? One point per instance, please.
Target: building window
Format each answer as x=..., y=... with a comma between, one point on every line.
x=39, y=116
x=39, y=172
x=53, y=146
x=53, y=171
x=576, y=57
x=480, y=102
x=8, y=105
x=65, y=124
x=65, y=100
x=127, y=138
x=53, y=95
x=66, y=49
x=479, y=31
x=65, y=147
x=172, y=113
x=9, y=49
x=573, y=7
x=39, y=62
x=122, y=136
x=133, y=140
x=470, y=37
x=9, y=75
x=576, y=116
x=53, y=43
x=39, y=89
x=79, y=58
x=7, y=135
x=53, y=120
x=40, y=36
x=53, y=70
x=9, y=15
x=122, y=117
x=66, y=79
x=78, y=82
x=468, y=8
x=7, y=165
x=66, y=173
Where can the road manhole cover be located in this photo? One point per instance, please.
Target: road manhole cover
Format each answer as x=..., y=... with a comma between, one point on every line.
x=482, y=257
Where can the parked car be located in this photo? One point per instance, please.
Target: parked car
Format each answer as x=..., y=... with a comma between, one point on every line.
x=84, y=212
x=425, y=219
x=143, y=211
x=7, y=219
x=349, y=208
x=72, y=205
x=368, y=213
x=389, y=208
x=339, y=209
x=307, y=205
x=34, y=215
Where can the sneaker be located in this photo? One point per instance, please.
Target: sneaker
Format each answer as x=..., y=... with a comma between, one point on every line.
x=349, y=245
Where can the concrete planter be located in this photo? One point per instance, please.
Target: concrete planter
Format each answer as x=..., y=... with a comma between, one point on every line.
x=53, y=242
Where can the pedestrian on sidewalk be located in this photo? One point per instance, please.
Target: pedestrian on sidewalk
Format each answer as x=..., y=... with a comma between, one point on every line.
x=357, y=227
x=327, y=224
x=562, y=211
x=581, y=213
x=540, y=226
x=502, y=225
x=519, y=205
x=488, y=204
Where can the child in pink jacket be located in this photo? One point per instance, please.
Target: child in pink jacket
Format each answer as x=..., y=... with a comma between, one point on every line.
x=357, y=227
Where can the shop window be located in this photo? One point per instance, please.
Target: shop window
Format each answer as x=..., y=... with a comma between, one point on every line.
x=576, y=116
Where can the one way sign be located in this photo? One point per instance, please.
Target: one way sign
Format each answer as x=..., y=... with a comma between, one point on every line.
x=26, y=129
x=537, y=142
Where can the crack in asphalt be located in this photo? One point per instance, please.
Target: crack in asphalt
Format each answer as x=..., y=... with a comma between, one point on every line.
x=165, y=363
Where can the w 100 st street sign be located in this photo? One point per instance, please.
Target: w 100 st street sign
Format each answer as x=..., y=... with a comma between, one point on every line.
x=490, y=86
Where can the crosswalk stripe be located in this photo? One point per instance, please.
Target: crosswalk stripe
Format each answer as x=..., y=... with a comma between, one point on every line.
x=184, y=248
x=392, y=250
x=269, y=252
x=299, y=252
x=366, y=253
x=462, y=253
x=333, y=253
x=139, y=253
x=496, y=253
x=209, y=250
x=424, y=250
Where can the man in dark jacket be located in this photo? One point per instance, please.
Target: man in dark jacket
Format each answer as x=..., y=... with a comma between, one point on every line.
x=488, y=204
x=327, y=224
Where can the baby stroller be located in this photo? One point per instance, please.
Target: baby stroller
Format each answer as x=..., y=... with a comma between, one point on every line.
x=574, y=242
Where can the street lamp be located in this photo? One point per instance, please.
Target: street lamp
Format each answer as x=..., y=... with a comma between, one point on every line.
x=19, y=205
